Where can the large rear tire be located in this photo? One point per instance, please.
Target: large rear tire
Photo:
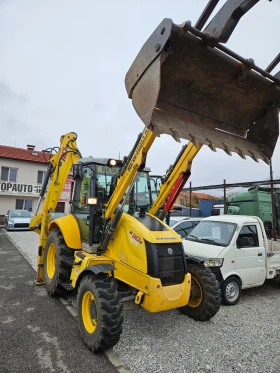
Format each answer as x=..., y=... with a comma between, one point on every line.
x=205, y=298
x=58, y=261
x=99, y=312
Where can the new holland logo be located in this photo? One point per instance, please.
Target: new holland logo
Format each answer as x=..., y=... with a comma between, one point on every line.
x=170, y=251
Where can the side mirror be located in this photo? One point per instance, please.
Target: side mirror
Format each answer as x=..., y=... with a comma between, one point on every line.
x=242, y=242
x=78, y=171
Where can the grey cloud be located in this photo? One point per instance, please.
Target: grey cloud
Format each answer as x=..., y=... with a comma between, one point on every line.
x=8, y=96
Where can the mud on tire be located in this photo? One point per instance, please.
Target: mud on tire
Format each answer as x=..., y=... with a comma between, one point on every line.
x=205, y=298
x=100, y=320
x=59, y=272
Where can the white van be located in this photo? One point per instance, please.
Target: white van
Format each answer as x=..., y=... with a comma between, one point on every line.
x=237, y=251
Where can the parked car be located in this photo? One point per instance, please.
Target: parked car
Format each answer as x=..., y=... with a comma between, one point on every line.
x=185, y=226
x=175, y=219
x=56, y=215
x=17, y=220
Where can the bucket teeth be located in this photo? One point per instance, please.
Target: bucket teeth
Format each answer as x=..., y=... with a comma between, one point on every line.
x=154, y=128
x=240, y=153
x=211, y=145
x=193, y=140
x=226, y=148
x=175, y=135
x=252, y=155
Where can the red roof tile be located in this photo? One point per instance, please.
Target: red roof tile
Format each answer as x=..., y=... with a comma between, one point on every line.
x=199, y=195
x=22, y=154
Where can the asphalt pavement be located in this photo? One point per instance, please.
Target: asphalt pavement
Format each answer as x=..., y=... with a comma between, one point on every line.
x=37, y=333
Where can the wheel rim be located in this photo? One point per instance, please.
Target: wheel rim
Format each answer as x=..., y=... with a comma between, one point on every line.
x=89, y=314
x=196, y=293
x=232, y=291
x=51, y=259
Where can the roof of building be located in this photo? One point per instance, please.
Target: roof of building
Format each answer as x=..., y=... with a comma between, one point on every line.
x=199, y=195
x=11, y=152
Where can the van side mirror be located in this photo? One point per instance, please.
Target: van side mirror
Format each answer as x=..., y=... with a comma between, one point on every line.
x=242, y=242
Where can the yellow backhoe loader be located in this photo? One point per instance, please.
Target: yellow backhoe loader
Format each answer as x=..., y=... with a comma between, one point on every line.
x=110, y=242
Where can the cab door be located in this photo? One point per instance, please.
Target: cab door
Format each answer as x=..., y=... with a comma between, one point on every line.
x=250, y=255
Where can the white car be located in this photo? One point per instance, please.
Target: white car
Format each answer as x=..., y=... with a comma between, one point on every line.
x=17, y=220
x=184, y=225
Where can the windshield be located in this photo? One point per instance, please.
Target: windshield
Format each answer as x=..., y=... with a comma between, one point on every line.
x=213, y=232
x=20, y=214
x=105, y=184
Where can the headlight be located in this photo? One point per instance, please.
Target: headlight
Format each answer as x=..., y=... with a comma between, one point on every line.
x=217, y=262
x=11, y=220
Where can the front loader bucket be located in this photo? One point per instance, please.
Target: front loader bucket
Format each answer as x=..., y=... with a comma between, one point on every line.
x=185, y=84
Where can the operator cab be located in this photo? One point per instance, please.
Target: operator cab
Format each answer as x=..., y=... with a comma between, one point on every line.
x=96, y=178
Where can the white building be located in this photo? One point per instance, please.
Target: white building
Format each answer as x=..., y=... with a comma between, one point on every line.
x=22, y=172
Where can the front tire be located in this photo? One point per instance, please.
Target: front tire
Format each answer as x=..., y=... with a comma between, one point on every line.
x=99, y=312
x=231, y=291
x=58, y=261
x=205, y=298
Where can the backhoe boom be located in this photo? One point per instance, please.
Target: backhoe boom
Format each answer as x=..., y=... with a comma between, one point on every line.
x=59, y=167
x=135, y=161
x=173, y=182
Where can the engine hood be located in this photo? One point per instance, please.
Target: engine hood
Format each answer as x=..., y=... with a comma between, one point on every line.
x=194, y=248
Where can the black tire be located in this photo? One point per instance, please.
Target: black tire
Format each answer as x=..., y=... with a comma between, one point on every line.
x=205, y=298
x=231, y=291
x=62, y=263
x=100, y=320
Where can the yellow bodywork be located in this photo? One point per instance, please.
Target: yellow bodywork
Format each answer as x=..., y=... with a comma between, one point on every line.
x=128, y=256
x=69, y=227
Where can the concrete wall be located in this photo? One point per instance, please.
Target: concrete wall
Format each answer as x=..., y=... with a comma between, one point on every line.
x=26, y=181
x=27, y=171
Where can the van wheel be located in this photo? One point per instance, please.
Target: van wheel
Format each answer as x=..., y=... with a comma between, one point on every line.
x=231, y=291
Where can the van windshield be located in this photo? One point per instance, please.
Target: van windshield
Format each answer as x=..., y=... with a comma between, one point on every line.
x=213, y=232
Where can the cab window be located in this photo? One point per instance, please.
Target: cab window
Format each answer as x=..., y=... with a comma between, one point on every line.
x=248, y=236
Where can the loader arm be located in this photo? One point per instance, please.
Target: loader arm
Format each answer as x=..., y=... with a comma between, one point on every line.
x=175, y=179
x=58, y=170
x=136, y=159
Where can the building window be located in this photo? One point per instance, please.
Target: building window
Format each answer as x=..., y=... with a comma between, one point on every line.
x=24, y=204
x=9, y=174
x=41, y=176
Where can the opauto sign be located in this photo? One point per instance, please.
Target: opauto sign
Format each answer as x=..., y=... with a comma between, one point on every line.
x=15, y=188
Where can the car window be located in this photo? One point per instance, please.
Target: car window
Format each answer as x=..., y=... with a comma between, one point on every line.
x=20, y=214
x=250, y=232
x=184, y=228
x=195, y=223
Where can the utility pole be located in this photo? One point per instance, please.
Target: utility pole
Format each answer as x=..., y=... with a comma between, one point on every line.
x=272, y=202
x=190, y=198
x=225, y=197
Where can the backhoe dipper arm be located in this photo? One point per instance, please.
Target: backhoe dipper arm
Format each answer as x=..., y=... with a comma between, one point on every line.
x=175, y=179
x=59, y=167
x=136, y=159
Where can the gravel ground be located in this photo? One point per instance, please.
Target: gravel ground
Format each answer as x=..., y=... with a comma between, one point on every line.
x=242, y=338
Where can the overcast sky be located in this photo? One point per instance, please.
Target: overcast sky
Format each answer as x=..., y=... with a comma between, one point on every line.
x=62, y=69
